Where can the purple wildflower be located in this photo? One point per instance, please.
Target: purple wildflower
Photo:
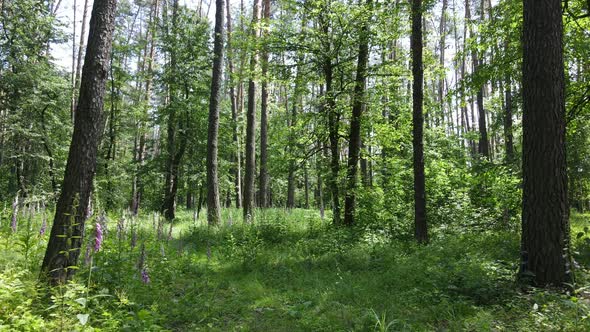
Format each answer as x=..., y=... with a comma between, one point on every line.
x=97, y=237
x=145, y=277
x=43, y=225
x=120, y=228
x=13, y=223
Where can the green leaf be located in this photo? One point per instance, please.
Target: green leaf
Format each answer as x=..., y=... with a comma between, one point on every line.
x=83, y=318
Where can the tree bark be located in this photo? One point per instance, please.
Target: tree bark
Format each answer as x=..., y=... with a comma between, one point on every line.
x=67, y=231
x=213, y=206
x=545, y=209
x=263, y=199
x=80, y=52
x=333, y=119
x=354, y=141
x=508, y=136
x=249, y=179
x=420, y=225
x=237, y=159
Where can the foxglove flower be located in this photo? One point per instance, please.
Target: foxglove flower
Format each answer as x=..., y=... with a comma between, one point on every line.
x=120, y=228
x=43, y=225
x=145, y=277
x=97, y=237
x=14, y=214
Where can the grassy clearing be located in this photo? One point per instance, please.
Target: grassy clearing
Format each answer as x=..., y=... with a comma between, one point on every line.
x=289, y=271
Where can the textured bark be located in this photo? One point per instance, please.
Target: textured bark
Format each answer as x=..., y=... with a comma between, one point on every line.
x=441, y=46
x=354, y=138
x=483, y=146
x=249, y=178
x=213, y=206
x=333, y=121
x=237, y=158
x=263, y=199
x=67, y=231
x=508, y=136
x=176, y=136
x=420, y=226
x=545, y=210
x=80, y=52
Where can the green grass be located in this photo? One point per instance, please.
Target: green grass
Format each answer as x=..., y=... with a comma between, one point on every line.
x=290, y=271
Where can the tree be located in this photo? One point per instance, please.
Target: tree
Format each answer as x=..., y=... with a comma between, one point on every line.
x=213, y=208
x=354, y=141
x=545, y=210
x=71, y=211
x=264, y=188
x=420, y=226
x=249, y=178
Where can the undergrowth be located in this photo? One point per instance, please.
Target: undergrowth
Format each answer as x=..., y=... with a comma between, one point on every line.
x=287, y=271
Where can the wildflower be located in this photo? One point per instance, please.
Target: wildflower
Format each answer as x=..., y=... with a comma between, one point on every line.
x=97, y=237
x=142, y=257
x=13, y=224
x=142, y=266
x=43, y=225
x=44, y=220
x=102, y=219
x=145, y=276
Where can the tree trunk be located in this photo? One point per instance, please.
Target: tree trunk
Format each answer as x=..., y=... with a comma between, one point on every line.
x=213, y=206
x=249, y=180
x=354, y=141
x=80, y=52
x=67, y=232
x=420, y=226
x=483, y=146
x=442, y=46
x=508, y=137
x=237, y=159
x=545, y=209
x=263, y=200
x=333, y=121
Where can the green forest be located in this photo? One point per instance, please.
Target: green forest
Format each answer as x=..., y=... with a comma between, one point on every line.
x=295, y=165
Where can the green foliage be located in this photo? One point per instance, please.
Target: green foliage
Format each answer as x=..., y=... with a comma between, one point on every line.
x=289, y=271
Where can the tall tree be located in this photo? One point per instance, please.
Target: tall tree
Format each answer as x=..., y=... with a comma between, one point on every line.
x=420, y=226
x=213, y=207
x=545, y=209
x=264, y=190
x=354, y=141
x=71, y=211
x=483, y=146
x=237, y=154
x=330, y=109
x=176, y=139
x=248, y=204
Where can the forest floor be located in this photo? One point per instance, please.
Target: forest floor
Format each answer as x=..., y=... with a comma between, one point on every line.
x=288, y=271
